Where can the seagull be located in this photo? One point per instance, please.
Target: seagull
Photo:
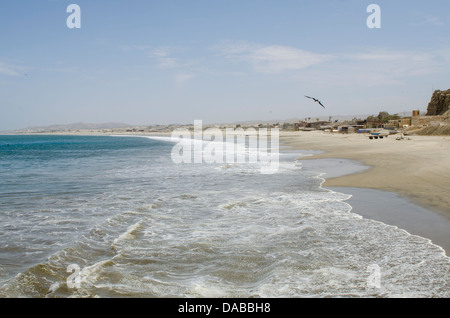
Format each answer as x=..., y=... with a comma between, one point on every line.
x=316, y=100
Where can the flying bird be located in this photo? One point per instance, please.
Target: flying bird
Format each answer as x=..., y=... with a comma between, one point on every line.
x=316, y=100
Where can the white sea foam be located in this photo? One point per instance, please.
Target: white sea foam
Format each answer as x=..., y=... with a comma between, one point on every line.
x=130, y=233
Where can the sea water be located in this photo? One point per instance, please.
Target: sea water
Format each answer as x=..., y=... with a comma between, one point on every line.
x=106, y=216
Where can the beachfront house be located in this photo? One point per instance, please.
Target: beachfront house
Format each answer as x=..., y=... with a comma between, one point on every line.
x=319, y=125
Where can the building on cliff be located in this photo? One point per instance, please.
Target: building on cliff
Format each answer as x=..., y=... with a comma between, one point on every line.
x=437, y=111
x=437, y=119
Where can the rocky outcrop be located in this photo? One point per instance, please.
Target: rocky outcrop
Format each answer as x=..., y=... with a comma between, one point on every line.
x=439, y=104
x=446, y=115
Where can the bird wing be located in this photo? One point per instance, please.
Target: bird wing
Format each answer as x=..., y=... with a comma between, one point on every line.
x=316, y=100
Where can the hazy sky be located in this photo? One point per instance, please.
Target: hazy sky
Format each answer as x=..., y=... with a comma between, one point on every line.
x=173, y=61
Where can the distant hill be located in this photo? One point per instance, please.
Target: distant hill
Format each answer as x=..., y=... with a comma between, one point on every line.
x=76, y=126
x=101, y=126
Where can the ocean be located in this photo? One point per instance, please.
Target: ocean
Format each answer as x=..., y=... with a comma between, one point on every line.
x=114, y=216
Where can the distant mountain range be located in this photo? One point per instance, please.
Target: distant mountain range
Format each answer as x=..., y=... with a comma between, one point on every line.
x=91, y=126
x=76, y=126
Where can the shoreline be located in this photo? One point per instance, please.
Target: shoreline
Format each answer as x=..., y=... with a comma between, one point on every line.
x=351, y=165
x=372, y=171
x=392, y=209
x=383, y=206
x=416, y=169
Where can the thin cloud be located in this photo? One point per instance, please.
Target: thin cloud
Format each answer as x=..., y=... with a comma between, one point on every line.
x=399, y=63
x=10, y=69
x=429, y=20
x=377, y=56
x=376, y=68
x=182, y=78
x=370, y=67
x=129, y=48
x=164, y=59
x=270, y=58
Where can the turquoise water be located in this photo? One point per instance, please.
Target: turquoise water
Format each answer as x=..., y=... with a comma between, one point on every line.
x=134, y=224
x=53, y=188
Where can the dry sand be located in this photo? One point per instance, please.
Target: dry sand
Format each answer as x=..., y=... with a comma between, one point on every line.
x=418, y=168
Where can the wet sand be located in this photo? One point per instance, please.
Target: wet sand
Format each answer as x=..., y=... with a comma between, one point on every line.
x=390, y=208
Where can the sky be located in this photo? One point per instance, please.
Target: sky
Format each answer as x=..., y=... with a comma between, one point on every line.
x=146, y=62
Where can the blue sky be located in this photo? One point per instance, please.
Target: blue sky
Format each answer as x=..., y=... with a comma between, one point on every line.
x=174, y=61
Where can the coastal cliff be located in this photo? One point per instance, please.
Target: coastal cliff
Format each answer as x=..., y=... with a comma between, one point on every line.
x=437, y=120
x=439, y=104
